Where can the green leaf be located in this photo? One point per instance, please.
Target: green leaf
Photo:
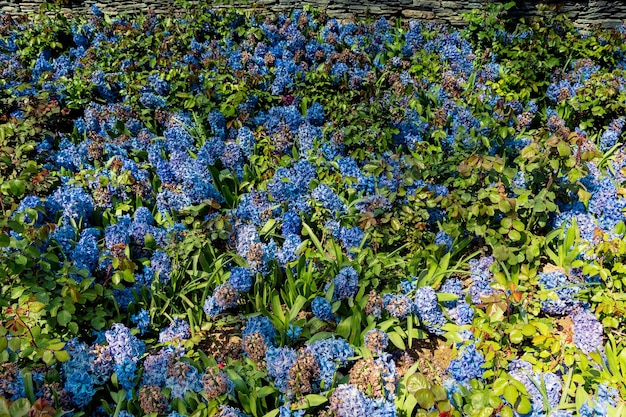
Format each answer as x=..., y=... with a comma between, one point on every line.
x=516, y=336
x=416, y=382
x=48, y=357
x=313, y=400
x=581, y=396
x=268, y=227
x=441, y=395
x=61, y=355
x=514, y=235
x=598, y=110
x=15, y=344
x=149, y=241
x=344, y=327
x=20, y=408
x=64, y=317
x=425, y=398
x=36, y=306
x=504, y=206
x=265, y=391
x=296, y=307
x=524, y=406
x=529, y=330
x=29, y=390
x=564, y=149
x=240, y=384
x=511, y=394
x=396, y=340
x=409, y=329
x=4, y=403
x=499, y=385
x=444, y=296
x=506, y=412
x=98, y=323
x=314, y=239
x=277, y=309
x=320, y=336
x=73, y=327
x=501, y=253
x=17, y=187
x=409, y=405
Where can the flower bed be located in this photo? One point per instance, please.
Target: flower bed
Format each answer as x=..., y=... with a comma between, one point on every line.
x=221, y=213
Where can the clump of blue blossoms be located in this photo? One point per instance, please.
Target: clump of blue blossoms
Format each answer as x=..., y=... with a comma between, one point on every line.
x=30, y=202
x=331, y=354
x=376, y=376
x=254, y=207
x=323, y=309
x=141, y=320
x=12, y=385
x=288, y=252
x=444, y=239
x=153, y=366
x=563, y=287
x=246, y=141
x=64, y=236
x=292, y=224
x=428, y=310
x=123, y=345
x=327, y=197
x=290, y=185
x=397, y=305
x=607, y=205
x=348, y=401
x=228, y=411
x=161, y=264
x=142, y=225
x=611, y=134
x=124, y=350
x=481, y=277
x=118, y=234
x=460, y=311
x=376, y=341
x=177, y=331
x=262, y=326
x=468, y=365
x=351, y=239
x=315, y=114
x=250, y=247
x=80, y=386
x=224, y=297
x=346, y=284
x=588, y=331
x=85, y=253
x=79, y=381
x=535, y=382
x=182, y=377
x=73, y=203
x=279, y=361
x=240, y=279
x=216, y=383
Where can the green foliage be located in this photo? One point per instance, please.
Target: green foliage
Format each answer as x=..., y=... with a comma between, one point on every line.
x=417, y=396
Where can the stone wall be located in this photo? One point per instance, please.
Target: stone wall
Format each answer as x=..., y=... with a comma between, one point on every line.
x=582, y=12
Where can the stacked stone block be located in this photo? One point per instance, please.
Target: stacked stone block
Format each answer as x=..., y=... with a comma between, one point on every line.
x=583, y=12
